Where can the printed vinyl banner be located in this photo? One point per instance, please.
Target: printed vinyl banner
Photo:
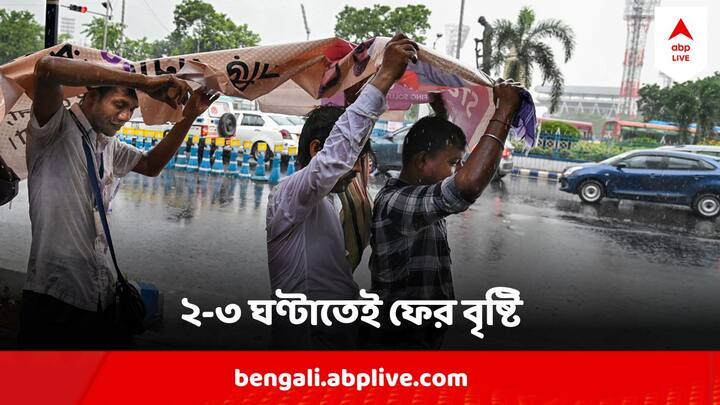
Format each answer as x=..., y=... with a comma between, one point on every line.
x=322, y=68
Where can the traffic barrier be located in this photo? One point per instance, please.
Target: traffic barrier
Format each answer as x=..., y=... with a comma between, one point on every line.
x=245, y=169
x=217, y=167
x=181, y=161
x=140, y=140
x=171, y=163
x=192, y=165
x=120, y=134
x=129, y=136
x=275, y=170
x=205, y=163
x=233, y=166
x=260, y=166
x=541, y=174
x=292, y=152
x=148, y=141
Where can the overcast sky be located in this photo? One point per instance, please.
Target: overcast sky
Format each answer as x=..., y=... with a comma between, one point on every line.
x=599, y=26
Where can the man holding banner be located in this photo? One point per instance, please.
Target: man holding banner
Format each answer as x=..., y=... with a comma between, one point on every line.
x=69, y=290
x=410, y=253
x=306, y=249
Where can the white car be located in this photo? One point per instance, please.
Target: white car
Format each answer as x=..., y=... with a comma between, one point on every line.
x=708, y=150
x=217, y=121
x=291, y=123
x=220, y=120
x=258, y=127
x=232, y=117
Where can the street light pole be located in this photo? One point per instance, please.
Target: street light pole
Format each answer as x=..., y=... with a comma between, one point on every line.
x=108, y=7
x=121, y=45
x=439, y=35
x=307, y=27
x=460, y=27
x=51, y=22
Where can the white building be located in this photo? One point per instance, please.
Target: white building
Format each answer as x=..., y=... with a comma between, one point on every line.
x=601, y=100
x=67, y=26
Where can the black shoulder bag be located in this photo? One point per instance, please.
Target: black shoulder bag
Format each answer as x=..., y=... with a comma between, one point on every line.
x=8, y=183
x=129, y=306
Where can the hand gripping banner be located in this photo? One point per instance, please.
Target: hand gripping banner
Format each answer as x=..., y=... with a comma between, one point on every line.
x=323, y=69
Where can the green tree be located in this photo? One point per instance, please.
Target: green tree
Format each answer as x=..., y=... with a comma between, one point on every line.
x=551, y=127
x=357, y=25
x=683, y=104
x=95, y=30
x=708, y=113
x=652, y=102
x=20, y=34
x=138, y=49
x=521, y=46
x=199, y=28
x=64, y=37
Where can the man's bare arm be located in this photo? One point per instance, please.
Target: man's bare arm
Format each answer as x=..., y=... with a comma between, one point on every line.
x=477, y=172
x=152, y=163
x=51, y=73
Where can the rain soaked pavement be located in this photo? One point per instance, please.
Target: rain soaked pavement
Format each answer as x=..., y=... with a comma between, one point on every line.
x=616, y=275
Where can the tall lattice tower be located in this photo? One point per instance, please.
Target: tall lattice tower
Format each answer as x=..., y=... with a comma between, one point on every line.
x=638, y=14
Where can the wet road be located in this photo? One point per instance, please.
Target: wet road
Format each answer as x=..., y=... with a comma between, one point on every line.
x=616, y=275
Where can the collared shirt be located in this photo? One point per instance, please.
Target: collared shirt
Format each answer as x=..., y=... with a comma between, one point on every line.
x=410, y=253
x=305, y=242
x=69, y=258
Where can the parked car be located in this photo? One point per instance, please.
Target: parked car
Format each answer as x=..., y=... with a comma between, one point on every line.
x=259, y=127
x=224, y=119
x=296, y=119
x=387, y=150
x=288, y=123
x=217, y=121
x=662, y=176
x=708, y=150
x=387, y=153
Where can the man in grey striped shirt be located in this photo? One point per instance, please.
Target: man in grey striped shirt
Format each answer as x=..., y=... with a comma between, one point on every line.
x=410, y=252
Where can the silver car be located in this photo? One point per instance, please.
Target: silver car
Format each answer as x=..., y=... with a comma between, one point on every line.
x=708, y=150
x=387, y=153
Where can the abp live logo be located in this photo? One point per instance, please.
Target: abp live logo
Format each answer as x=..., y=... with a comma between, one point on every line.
x=683, y=49
x=681, y=41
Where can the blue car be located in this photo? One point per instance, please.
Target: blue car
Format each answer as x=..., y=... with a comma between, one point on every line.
x=662, y=176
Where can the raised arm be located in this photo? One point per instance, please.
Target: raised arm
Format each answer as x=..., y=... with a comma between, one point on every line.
x=51, y=73
x=152, y=163
x=479, y=168
x=348, y=136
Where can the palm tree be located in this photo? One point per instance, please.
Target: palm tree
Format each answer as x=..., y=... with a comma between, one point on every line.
x=521, y=46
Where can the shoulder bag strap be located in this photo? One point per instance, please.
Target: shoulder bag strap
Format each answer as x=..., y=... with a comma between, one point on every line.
x=96, y=190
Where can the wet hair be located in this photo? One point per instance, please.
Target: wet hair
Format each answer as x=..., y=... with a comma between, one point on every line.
x=103, y=91
x=430, y=135
x=318, y=125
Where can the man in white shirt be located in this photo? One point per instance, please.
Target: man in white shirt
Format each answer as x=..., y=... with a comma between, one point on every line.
x=305, y=241
x=306, y=247
x=69, y=291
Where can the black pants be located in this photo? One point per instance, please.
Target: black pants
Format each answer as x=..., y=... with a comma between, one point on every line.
x=48, y=323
